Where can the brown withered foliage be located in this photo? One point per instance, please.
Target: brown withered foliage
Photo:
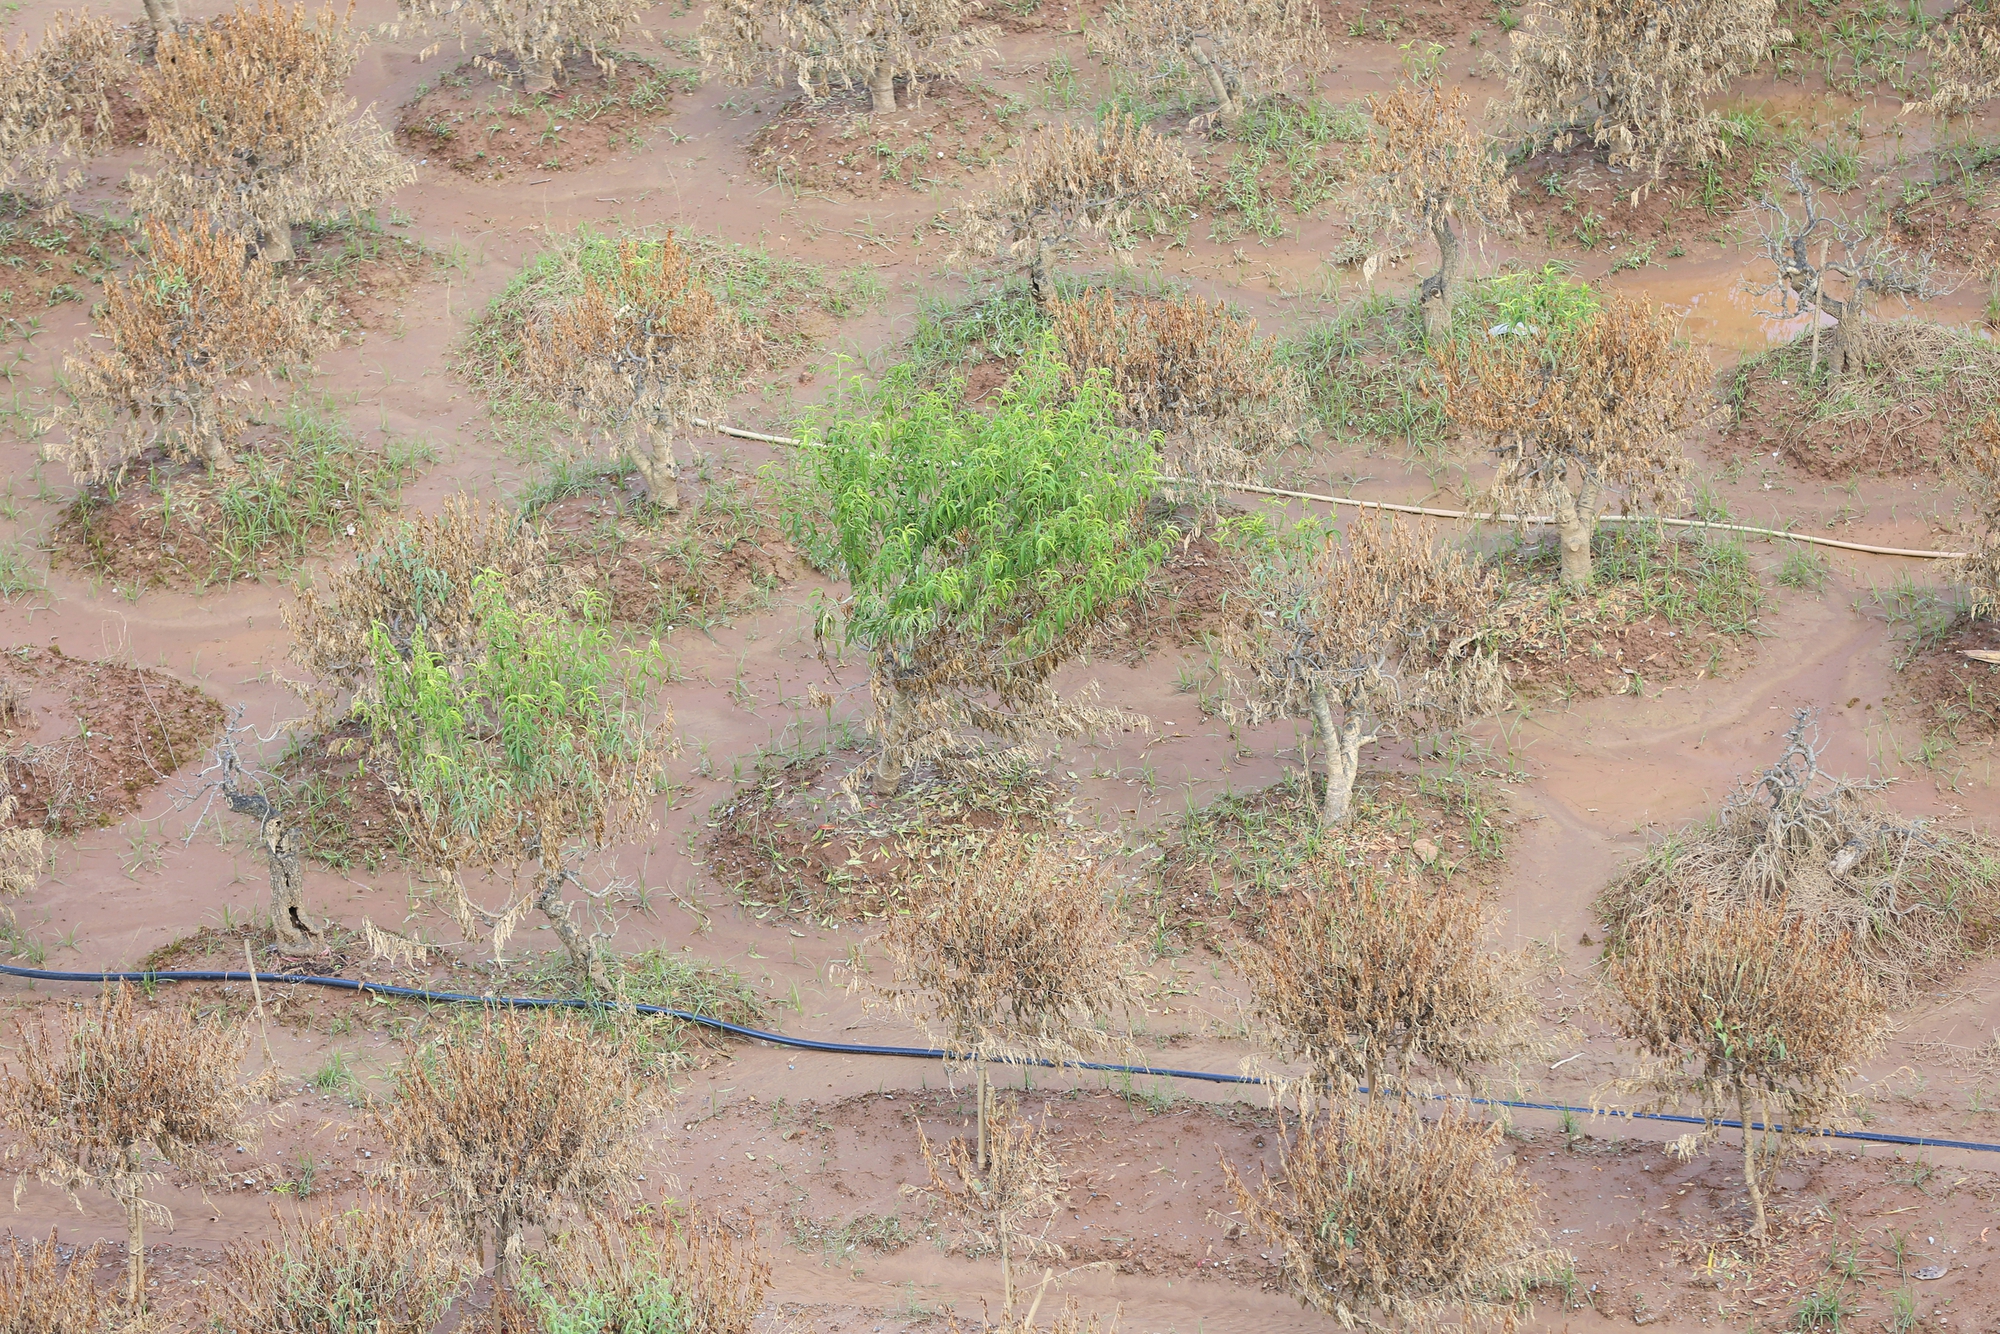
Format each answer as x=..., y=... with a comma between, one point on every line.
x=104, y=1089
x=622, y=1267
x=40, y=1294
x=1637, y=77
x=1745, y=1012
x=844, y=43
x=637, y=353
x=1020, y=1182
x=516, y=1125
x=1809, y=250
x=1965, y=61
x=1372, y=979
x=1068, y=182
x=1235, y=50
x=381, y=1267
x=1979, y=466
x=533, y=40
x=23, y=851
x=1582, y=415
x=248, y=126
x=1364, y=638
x=190, y=327
x=1909, y=897
x=1220, y=396
x=55, y=102
x=1385, y=1220
x=1428, y=172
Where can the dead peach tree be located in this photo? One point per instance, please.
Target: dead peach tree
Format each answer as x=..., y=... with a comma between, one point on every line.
x=821, y=44
x=42, y=1293
x=55, y=102
x=980, y=550
x=1021, y=1181
x=1965, y=60
x=248, y=126
x=1069, y=182
x=1637, y=77
x=380, y=1267
x=533, y=40
x=1814, y=249
x=1015, y=953
x=1364, y=638
x=1427, y=172
x=1580, y=416
x=513, y=1125
x=1385, y=1220
x=1746, y=1012
x=247, y=792
x=103, y=1089
x=1220, y=397
x=1371, y=978
x=191, y=328
x=1232, y=49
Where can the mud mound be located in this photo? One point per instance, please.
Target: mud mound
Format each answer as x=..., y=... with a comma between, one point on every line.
x=1954, y=693
x=836, y=143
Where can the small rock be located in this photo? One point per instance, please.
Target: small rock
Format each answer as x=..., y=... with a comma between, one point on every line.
x=1427, y=851
x=1929, y=1272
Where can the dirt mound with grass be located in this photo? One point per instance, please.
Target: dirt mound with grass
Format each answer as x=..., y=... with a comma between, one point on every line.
x=837, y=143
x=81, y=742
x=1951, y=691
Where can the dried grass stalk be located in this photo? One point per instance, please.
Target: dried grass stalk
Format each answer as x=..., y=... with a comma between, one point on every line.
x=1234, y=49
x=41, y=1294
x=531, y=39
x=248, y=125
x=1746, y=1012
x=1980, y=467
x=55, y=103
x=103, y=1088
x=1386, y=1220
x=514, y=1126
x=378, y=1268
x=190, y=327
x=23, y=852
x=844, y=43
x=1371, y=979
x=687, y=1276
x=1637, y=77
x=1965, y=61
x=1908, y=898
x=1021, y=1181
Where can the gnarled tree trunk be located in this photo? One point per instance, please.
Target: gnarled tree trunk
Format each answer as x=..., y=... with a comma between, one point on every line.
x=658, y=472
x=1039, y=284
x=1342, y=742
x=1435, y=296
x=1228, y=100
x=882, y=87
x=297, y=933
x=164, y=16
x=582, y=953
x=1576, y=524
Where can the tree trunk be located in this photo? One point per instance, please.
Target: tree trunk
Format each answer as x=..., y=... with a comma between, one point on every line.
x=163, y=15
x=1039, y=285
x=1435, y=296
x=1228, y=106
x=658, y=472
x=297, y=933
x=581, y=952
x=538, y=76
x=1006, y=1270
x=1750, y=1161
x=1576, y=523
x=1342, y=743
x=882, y=87
x=1844, y=349
x=135, y=1246
x=274, y=243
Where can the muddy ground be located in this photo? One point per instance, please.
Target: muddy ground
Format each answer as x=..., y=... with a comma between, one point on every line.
x=813, y=1153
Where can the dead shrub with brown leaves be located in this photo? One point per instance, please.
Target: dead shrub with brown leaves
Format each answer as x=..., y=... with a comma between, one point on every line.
x=1746, y=1011
x=1428, y=172
x=40, y=1293
x=844, y=43
x=1386, y=1220
x=531, y=39
x=1020, y=1182
x=1220, y=396
x=102, y=1089
x=190, y=328
x=515, y=1125
x=1069, y=182
x=55, y=103
x=1581, y=415
x=1965, y=61
x=1372, y=979
x=1234, y=49
x=1637, y=77
x=248, y=126
x=379, y=1267
x=23, y=852
x=1365, y=637
x=687, y=1274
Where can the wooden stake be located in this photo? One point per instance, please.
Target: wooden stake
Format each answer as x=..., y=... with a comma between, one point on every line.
x=1819, y=292
x=257, y=995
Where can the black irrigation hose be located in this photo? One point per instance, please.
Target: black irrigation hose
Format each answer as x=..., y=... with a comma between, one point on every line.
x=918, y=1053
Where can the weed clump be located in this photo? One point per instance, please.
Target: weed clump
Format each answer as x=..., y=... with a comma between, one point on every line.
x=845, y=43
x=40, y=1294
x=379, y=1268
x=687, y=1276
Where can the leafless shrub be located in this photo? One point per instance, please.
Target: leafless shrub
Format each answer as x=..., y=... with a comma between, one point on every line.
x=1371, y=979
x=1636, y=76
x=1580, y=415
x=277, y=834
x=248, y=126
x=1068, y=182
x=1388, y=1221
x=103, y=1087
x=1748, y=1012
x=23, y=852
x=1187, y=368
x=379, y=1268
x=41, y=1294
x=1382, y=631
x=1021, y=1182
x=637, y=351
x=687, y=1275
x=1809, y=249
x=1232, y=48
x=516, y=1126
x=1425, y=166
x=531, y=38
x=1904, y=894
x=189, y=328
x=1015, y=953
x=848, y=43
x=55, y=104
x=1965, y=61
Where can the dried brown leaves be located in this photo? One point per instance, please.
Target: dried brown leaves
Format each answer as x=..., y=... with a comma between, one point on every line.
x=1378, y=1211
x=40, y=1294
x=248, y=125
x=1965, y=61
x=619, y=1266
x=844, y=43
x=384, y=1268
x=1023, y=1182
x=531, y=38
x=23, y=852
x=1235, y=49
x=189, y=327
x=55, y=104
